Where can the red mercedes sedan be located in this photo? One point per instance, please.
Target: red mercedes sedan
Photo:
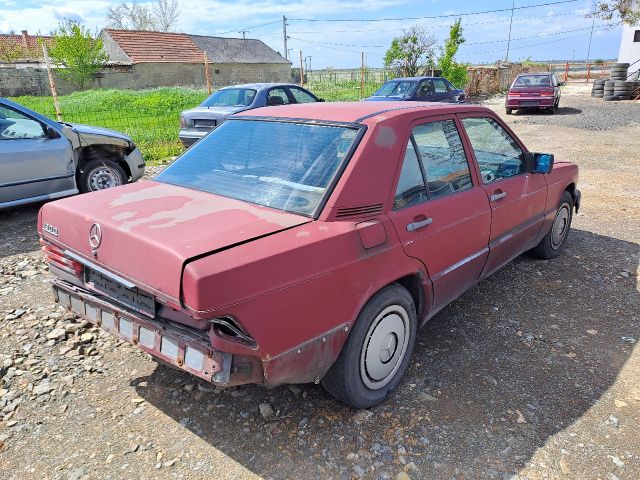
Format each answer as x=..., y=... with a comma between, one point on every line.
x=534, y=91
x=308, y=243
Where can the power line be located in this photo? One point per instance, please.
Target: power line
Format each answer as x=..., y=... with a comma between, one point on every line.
x=340, y=44
x=529, y=38
x=432, y=16
x=235, y=30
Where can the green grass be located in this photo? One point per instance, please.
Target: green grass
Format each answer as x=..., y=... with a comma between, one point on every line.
x=151, y=117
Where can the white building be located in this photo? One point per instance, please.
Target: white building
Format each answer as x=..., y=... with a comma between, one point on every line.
x=630, y=45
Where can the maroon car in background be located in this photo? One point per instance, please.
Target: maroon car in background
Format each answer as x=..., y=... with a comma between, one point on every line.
x=308, y=242
x=534, y=91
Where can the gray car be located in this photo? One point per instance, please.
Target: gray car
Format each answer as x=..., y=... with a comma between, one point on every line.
x=41, y=159
x=197, y=122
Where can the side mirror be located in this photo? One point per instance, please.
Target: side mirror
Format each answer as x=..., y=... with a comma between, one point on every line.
x=51, y=132
x=561, y=84
x=542, y=163
x=321, y=99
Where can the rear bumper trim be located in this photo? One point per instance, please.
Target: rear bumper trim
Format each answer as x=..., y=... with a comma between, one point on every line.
x=177, y=347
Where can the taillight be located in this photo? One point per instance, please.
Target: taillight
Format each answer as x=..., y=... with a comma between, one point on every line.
x=546, y=93
x=56, y=257
x=514, y=94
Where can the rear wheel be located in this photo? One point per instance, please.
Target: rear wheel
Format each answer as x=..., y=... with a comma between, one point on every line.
x=377, y=352
x=553, y=242
x=509, y=111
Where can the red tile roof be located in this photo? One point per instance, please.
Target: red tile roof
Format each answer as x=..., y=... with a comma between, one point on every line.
x=143, y=46
x=22, y=46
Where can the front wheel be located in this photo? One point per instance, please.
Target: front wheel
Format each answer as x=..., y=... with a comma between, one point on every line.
x=553, y=242
x=100, y=174
x=377, y=352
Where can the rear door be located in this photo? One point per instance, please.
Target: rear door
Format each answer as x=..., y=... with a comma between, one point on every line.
x=300, y=95
x=440, y=212
x=31, y=164
x=440, y=90
x=517, y=197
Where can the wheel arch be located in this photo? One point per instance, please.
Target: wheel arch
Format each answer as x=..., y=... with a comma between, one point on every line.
x=96, y=151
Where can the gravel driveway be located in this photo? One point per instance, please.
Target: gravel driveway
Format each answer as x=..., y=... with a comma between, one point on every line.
x=532, y=374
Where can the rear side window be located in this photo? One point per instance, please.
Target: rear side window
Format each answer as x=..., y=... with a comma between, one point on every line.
x=277, y=96
x=443, y=157
x=440, y=85
x=411, y=189
x=497, y=153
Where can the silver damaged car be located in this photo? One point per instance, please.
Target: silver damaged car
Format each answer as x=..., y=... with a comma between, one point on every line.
x=41, y=159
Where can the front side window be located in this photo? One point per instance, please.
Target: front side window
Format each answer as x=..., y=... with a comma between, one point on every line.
x=230, y=97
x=287, y=166
x=497, y=153
x=425, y=89
x=277, y=96
x=301, y=96
x=443, y=157
x=17, y=126
x=411, y=189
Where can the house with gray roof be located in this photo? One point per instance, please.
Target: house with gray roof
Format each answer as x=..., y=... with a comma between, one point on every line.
x=167, y=59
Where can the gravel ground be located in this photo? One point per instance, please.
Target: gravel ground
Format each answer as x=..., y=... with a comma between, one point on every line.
x=533, y=374
x=579, y=110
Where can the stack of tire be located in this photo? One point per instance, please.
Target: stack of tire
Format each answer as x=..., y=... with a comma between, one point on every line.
x=598, y=88
x=618, y=88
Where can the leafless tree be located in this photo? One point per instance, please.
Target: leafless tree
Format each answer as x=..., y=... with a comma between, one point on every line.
x=160, y=16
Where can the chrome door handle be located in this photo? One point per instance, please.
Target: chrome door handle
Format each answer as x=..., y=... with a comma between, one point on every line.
x=416, y=225
x=497, y=196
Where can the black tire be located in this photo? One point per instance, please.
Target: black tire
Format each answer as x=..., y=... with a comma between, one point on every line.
x=608, y=98
x=100, y=174
x=508, y=111
x=346, y=378
x=554, y=241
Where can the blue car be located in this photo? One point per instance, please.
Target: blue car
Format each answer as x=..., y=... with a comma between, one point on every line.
x=419, y=89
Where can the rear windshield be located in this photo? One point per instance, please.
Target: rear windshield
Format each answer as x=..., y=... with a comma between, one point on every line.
x=395, y=89
x=287, y=166
x=230, y=97
x=532, y=81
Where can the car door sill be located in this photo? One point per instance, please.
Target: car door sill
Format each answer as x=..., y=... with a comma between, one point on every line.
x=39, y=198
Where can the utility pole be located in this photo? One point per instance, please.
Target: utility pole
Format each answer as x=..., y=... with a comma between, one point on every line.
x=243, y=32
x=513, y=5
x=284, y=36
x=52, y=82
x=301, y=70
x=593, y=21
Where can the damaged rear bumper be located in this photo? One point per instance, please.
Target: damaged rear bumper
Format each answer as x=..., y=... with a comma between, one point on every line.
x=181, y=348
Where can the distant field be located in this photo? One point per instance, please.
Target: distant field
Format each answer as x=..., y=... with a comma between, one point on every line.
x=151, y=117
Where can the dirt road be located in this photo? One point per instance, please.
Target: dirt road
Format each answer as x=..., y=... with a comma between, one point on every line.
x=533, y=374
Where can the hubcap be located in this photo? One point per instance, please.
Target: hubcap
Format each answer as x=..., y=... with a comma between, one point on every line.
x=104, y=177
x=385, y=346
x=560, y=226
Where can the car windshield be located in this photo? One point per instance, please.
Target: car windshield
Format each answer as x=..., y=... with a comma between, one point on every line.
x=230, y=97
x=282, y=165
x=532, y=81
x=395, y=89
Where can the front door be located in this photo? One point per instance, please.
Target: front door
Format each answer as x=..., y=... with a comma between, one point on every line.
x=517, y=196
x=440, y=212
x=31, y=164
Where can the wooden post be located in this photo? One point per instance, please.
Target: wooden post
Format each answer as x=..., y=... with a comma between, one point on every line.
x=566, y=71
x=52, y=83
x=588, y=71
x=301, y=71
x=206, y=73
x=361, y=75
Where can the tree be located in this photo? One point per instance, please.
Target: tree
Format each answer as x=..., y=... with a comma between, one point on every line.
x=455, y=72
x=76, y=54
x=161, y=16
x=412, y=53
x=627, y=10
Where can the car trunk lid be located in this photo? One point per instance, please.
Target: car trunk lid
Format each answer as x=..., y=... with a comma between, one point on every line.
x=150, y=230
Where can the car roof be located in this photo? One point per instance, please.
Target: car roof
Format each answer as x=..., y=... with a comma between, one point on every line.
x=260, y=86
x=414, y=79
x=356, y=112
x=539, y=74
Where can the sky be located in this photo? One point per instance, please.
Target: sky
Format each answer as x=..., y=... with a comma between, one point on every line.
x=318, y=28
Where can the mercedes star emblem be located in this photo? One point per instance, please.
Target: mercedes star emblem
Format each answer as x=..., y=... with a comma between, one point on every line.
x=95, y=236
